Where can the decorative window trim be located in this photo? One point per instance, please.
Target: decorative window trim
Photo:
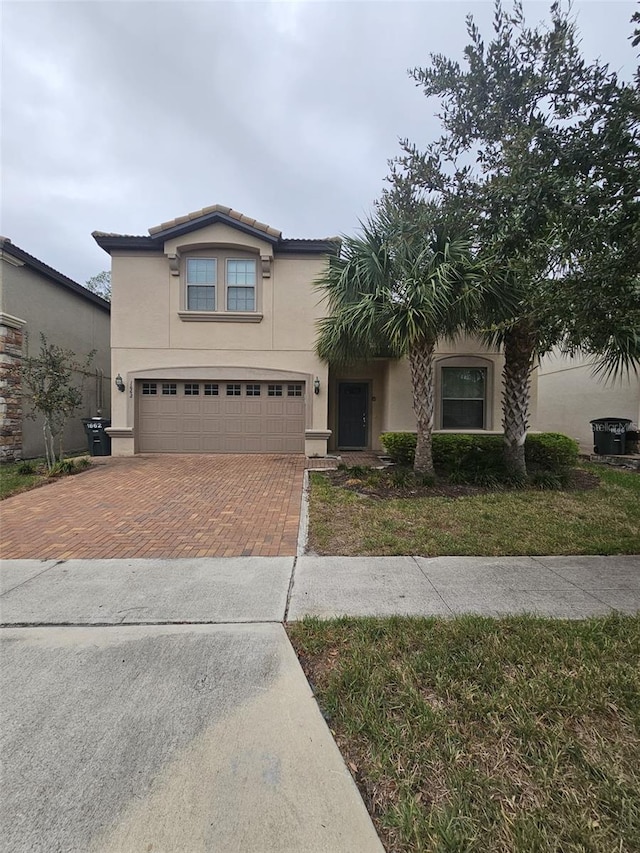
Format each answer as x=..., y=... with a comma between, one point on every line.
x=222, y=255
x=220, y=316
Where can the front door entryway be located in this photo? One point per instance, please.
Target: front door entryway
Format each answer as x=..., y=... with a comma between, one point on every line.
x=353, y=408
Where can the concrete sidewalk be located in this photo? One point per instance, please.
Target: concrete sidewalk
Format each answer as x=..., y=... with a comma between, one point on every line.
x=275, y=589
x=564, y=587
x=157, y=705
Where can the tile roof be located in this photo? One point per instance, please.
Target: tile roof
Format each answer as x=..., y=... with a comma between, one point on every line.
x=216, y=208
x=207, y=216
x=6, y=245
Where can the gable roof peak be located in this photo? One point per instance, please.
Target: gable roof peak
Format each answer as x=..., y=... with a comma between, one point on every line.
x=208, y=215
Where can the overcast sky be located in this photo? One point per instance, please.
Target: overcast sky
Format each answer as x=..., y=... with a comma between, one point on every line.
x=119, y=115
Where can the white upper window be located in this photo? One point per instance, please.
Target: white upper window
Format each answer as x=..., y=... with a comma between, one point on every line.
x=201, y=284
x=241, y=285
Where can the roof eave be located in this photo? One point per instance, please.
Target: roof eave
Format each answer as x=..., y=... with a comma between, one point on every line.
x=53, y=275
x=212, y=219
x=111, y=242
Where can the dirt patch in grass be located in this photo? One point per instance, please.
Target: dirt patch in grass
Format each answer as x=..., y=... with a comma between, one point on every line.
x=508, y=735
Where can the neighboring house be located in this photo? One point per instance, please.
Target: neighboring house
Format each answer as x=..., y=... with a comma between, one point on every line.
x=35, y=299
x=213, y=347
x=570, y=396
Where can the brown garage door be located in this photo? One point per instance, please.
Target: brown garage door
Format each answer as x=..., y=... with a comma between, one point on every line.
x=220, y=417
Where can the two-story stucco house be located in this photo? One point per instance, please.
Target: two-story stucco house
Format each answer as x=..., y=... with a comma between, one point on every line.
x=35, y=299
x=213, y=349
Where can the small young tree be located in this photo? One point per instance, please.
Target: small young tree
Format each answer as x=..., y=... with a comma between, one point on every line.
x=48, y=382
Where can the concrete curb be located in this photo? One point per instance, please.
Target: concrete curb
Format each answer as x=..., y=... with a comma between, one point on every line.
x=303, y=527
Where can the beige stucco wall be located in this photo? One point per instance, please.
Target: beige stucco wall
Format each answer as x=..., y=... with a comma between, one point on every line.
x=70, y=321
x=151, y=339
x=154, y=337
x=391, y=409
x=569, y=397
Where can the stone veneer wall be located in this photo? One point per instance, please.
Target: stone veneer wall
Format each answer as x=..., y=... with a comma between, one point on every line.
x=10, y=388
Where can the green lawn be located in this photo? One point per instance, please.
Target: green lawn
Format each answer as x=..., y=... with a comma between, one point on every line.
x=11, y=482
x=605, y=520
x=517, y=735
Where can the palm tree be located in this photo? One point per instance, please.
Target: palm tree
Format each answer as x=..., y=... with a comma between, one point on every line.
x=395, y=289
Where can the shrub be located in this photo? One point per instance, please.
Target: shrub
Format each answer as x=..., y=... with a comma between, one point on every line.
x=551, y=451
x=374, y=478
x=69, y=466
x=480, y=458
x=359, y=472
x=546, y=481
x=401, y=477
x=28, y=466
x=479, y=452
x=401, y=446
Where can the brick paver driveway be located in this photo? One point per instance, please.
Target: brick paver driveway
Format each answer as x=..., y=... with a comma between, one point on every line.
x=160, y=506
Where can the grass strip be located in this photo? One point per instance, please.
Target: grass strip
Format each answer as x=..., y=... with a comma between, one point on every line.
x=518, y=734
x=604, y=520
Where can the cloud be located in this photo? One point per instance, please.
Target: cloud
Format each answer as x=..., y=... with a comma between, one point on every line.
x=119, y=115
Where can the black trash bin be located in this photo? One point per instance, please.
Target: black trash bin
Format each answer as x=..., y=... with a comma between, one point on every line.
x=99, y=441
x=609, y=436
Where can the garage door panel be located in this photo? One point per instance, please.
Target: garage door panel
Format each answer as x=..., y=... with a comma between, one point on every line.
x=233, y=426
x=274, y=426
x=233, y=443
x=209, y=423
x=191, y=406
x=159, y=425
x=150, y=405
x=212, y=443
x=191, y=443
x=163, y=444
x=253, y=444
x=294, y=407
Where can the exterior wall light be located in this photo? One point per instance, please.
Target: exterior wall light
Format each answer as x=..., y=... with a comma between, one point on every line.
x=119, y=383
x=316, y=386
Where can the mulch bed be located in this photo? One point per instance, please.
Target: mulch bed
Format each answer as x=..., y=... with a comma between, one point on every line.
x=383, y=486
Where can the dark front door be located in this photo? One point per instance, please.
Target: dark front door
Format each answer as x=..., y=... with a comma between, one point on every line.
x=353, y=406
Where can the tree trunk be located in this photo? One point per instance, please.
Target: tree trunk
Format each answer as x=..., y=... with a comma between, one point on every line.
x=421, y=365
x=519, y=352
